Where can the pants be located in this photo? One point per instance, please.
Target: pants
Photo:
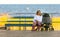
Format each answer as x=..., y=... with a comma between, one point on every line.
x=36, y=23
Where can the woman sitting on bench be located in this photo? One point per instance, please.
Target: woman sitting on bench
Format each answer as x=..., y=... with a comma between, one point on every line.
x=37, y=21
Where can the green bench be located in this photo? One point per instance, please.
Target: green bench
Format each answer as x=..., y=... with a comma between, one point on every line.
x=19, y=25
x=7, y=25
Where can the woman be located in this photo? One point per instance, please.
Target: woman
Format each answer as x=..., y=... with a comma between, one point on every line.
x=37, y=21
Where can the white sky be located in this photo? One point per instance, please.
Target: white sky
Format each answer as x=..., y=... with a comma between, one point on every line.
x=29, y=1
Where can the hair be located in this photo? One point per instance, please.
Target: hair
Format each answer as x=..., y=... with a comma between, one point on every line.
x=37, y=12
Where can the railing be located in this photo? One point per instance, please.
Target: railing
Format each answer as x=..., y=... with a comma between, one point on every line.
x=26, y=19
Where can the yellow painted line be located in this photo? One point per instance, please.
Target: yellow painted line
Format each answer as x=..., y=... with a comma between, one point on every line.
x=19, y=23
x=22, y=19
x=26, y=22
x=13, y=19
x=12, y=23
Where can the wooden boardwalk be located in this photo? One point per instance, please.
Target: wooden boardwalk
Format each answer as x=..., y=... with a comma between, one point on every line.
x=4, y=33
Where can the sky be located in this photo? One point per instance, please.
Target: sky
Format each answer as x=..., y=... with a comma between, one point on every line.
x=29, y=8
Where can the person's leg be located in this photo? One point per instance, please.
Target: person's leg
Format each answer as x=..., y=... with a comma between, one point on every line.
x=33, y=26
x=39, y=25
